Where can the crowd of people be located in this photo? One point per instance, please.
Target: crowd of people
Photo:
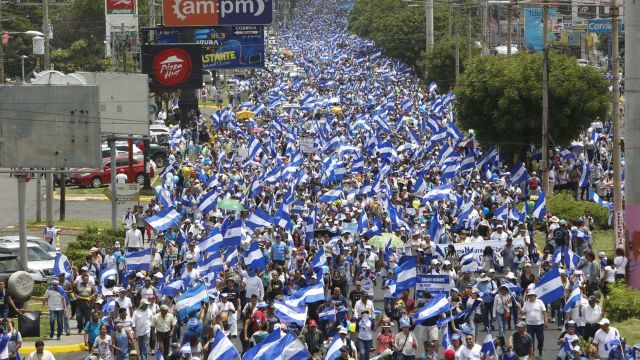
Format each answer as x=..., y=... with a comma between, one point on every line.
x=300, y=223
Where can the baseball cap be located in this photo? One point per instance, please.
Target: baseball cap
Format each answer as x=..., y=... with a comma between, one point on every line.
x=604, y=321
x=521, y=324
x=312, y=323
x=164, y=307
x=342, y=330
x=449, y=354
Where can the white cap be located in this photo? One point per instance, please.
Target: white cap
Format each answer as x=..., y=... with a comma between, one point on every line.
x=604, y=321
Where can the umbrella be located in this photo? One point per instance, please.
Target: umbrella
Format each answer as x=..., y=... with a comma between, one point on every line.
x=245, y=114
x=381, y=241
x=325, y=231
x=336, y=110
x=230, y=204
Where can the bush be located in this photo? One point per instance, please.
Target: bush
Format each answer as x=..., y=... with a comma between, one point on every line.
x=39, y=289
x=565, y=206
x=78, y=249
x=622, y=303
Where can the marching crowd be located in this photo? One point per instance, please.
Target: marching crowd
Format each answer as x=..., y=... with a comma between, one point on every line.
x=300, y=231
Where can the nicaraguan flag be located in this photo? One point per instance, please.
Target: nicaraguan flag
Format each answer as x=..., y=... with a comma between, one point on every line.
x=334, y=349
x=563, y=253
x=405, y=274
x=596, y=199
x=435, y=228
x=172, y=289
x=258, y=219
x=468, y=262
x=439, y=193
x=585, y=174
x=139, y=260
x=328, y=314
x=549, y=288
x=434, y=307
x=433, y=87
x=164, y=219
x=283, y=220
x=221, y=348
x=108, y=273
x=488, y=347
x=565, y=350
x=212, y=263
x=231, y=256
x=61, y=264
x=519, y=174
x=502, y=212
x=319, y=260
x=363, y=221
x=212, y=242
x=233, y=235
x=421, y=186
x=539, y=207
x=264, y=348
x=164, y=197
x=290, y=314
x=332, y=195
x=306, y=295
x=208, y=202
x=254, y=258
x=191, y=301
x=573, y=299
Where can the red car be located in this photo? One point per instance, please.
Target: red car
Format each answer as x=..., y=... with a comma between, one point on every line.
x=86, y=177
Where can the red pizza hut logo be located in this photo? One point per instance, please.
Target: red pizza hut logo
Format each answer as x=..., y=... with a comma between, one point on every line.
x=172, y=67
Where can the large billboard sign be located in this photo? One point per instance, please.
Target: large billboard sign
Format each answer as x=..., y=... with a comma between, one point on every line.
x=226, y=47
x=120, y=7
x=216, y=12
x=603, y=26
x=177, y=66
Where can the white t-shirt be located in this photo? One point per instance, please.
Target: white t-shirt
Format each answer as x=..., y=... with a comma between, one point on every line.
x=54, y=299
x=601, y=338
x=141, y=322
x=471, y=354
x=620, y=264
x=124, y=303
x=534, y=312
x=46, y=355
x=133, y=238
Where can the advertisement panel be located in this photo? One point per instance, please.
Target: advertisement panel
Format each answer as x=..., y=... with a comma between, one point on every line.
x=478, y=247
x=602, y=26
x=433, y=284
x=225, y=47
x=533, y=28
x=177, y=66
x=182, y=13
x=120, y=7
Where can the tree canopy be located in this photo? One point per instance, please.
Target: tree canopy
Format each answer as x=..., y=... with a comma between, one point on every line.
x=501, y=98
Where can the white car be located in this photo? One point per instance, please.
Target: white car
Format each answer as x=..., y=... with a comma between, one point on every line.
x=40, y=263
x=30, y=240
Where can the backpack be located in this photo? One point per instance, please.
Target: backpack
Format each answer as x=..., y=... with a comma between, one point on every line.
x=533, y=184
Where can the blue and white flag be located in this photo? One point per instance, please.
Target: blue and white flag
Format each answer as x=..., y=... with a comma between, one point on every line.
x=502, y=212
x=328, y=314
x=332, y=195
x=434, y=307
x=191, y=301
x=258, y=219
x=233, y=235
x=596, y=199
x=574, y=298
x=212, y=242
x=549, y=288
x=231, y=256
x=565, y=350
x=334, y=349
x=221, y=348
x=468, y=262
x=172, y=289
x=254, y=258
x=266, y=347
x=433, y=87
x=290, y=314
x=164, y=197
x=283, y=220
x=319, y=260
x=440, y=193
x=208, y=202
x=139, y=260
x=108, y=273
x=540, y=207
x=488, y=347
x=436, y=229
x=164, y=219
x=363, y=221
x=61, y=264
x=585, y=174
x=306, y=295
x=291, y=348
x=519, y=174
x=213, y=263
x=405, y=274
x=562, y=255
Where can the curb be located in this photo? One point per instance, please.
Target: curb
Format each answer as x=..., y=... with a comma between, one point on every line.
x=80, y=197
x=60, y=349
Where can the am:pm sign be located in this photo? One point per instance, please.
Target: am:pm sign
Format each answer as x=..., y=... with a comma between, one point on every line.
x=216, y=12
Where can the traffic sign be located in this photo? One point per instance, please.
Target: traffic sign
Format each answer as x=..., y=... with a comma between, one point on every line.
x=124, y=192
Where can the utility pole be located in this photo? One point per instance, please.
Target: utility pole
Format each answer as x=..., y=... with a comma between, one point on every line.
x=22, y=216
x=632, y=140
x=450, y=17
x=429, y=24
x=46, y=30
x=457, y=42
x=618, y=223
x=509, y=29
x=485, y=18
x=545, y=104
x=1, y=49
x=469, y=42
x=152, y=13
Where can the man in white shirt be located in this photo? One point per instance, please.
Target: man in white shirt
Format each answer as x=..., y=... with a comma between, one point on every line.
x=141, y=323
x=592, y=315
x=606, y=334
x=363, y=304
x=252, y=285
x=40, y=353
x=57, y=306
x=133, y=239
x=124, y=302
x=535, y=316
x=499, y=233
x=471, y=350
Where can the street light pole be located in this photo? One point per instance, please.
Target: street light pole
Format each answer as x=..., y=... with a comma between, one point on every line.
x=429, y=24
x=545, y=104
x=22, y=58
x=618, y=223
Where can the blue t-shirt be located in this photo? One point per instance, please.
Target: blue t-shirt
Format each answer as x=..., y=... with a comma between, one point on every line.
x=278, y=251
x=93, y=330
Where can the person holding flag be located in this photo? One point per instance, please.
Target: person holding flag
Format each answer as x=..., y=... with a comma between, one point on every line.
x=57, y=299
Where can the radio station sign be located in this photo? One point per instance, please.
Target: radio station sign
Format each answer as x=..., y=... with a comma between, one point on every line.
x=603, y=26
x=225, y=47
x=180, y=13
x=177, y=66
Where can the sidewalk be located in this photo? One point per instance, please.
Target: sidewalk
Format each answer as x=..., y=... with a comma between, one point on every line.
x=95, y=197
x=71, y=343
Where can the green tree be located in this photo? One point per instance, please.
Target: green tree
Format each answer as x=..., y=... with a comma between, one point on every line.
x=439, y=64
x=501, y=99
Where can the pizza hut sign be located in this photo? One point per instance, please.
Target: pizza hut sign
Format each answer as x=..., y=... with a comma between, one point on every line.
x=176, y=66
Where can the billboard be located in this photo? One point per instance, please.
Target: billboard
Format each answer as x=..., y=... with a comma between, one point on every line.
x=120, y=7
x=602, y=26
x=177, y=66
x=226, y=47
x=216, y=12
x=49, y=126
x=533, y=27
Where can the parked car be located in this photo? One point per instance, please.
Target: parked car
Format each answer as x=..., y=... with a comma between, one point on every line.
x=40, y=263
x=86, y=177
x=30, y=240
